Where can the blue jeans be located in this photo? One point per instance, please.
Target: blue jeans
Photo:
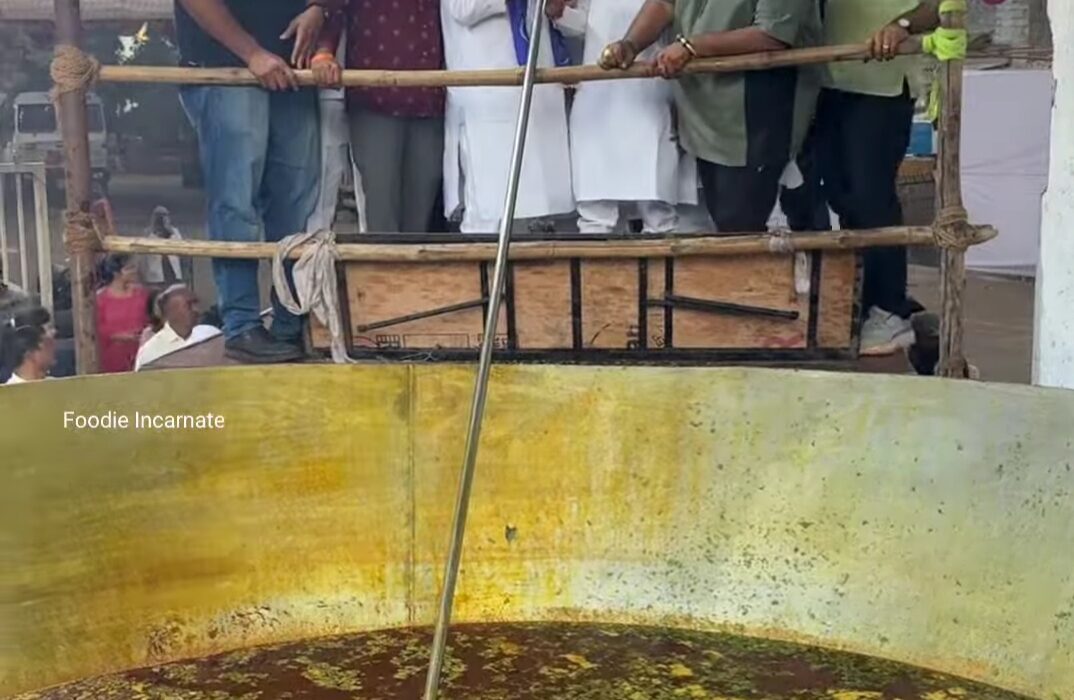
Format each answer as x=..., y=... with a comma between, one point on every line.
x=261, y=156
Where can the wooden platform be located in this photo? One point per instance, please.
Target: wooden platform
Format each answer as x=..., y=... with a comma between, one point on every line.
x=758, y=308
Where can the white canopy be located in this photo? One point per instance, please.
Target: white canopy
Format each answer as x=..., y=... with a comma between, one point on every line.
x=91, y=9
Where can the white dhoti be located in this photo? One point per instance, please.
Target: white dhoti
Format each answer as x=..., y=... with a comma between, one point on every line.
x=609, y=216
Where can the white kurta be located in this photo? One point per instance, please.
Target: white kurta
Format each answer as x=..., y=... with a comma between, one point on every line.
x=623, y=140
x=480, y=122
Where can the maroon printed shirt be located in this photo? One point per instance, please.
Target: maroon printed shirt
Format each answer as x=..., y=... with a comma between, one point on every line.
x=394, y=35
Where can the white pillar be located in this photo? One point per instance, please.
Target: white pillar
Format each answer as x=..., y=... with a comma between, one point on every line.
x=1053, y=347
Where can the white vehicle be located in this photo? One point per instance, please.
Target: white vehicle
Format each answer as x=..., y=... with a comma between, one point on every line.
x=36, y=137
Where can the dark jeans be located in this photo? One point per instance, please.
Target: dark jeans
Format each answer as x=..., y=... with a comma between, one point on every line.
x=862, y=140
x=261, y=156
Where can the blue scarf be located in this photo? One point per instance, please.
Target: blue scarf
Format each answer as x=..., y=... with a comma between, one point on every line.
x=516, y=14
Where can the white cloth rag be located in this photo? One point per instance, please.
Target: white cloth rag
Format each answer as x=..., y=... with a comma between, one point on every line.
x=315, y=283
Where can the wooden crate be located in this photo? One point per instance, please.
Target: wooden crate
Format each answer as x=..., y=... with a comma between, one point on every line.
x=688, y=309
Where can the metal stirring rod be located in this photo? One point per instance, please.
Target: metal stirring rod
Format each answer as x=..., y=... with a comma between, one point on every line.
x=477, y=410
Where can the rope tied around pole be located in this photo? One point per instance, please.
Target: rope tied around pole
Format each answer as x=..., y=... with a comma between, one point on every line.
x=953, y=231
x=80, y=233
x=780, y=243
x=73, y=70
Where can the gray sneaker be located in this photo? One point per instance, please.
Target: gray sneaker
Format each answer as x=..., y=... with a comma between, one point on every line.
x=885, y=333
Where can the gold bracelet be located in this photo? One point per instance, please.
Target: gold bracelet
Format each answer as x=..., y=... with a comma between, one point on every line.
x=687, y=45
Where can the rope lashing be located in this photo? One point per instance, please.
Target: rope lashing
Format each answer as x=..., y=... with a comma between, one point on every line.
x=946, y=44
x=953, y=231
x=73, y=70
x=315, y=282
x=780, y=243
x=80, y=234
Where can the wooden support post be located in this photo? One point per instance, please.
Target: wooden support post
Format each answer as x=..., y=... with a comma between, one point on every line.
x=949, y=200
x=72, y=113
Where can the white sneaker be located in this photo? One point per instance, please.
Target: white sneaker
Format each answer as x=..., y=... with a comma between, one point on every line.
x=885, y=333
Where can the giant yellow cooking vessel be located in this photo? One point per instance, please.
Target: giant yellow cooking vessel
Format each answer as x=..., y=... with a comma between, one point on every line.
x=918, y=520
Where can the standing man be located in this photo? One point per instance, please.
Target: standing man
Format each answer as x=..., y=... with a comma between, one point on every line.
x=480, y=128
x=260, y=149
x=397, y=133
x=864, y=122
x=162, y=271
x=744, y=128
x=624, y=148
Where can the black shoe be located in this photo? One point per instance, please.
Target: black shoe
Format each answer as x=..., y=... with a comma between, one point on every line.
x=924, y=355
x=299, y=344
x=257, y=347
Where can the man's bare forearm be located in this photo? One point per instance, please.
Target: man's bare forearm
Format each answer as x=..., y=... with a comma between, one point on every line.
x=218, y=22
x=651, y=21
x=735, y=42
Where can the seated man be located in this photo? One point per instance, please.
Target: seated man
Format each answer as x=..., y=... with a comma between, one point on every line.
x=176, y=305
x=744, y=128
x=162, y=271
x=480, y=121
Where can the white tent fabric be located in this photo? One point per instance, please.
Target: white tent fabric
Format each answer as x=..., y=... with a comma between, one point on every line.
x=1005, y=142
x=92, y=10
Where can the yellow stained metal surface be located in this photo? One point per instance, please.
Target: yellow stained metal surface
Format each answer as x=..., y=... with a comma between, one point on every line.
x=923, y=521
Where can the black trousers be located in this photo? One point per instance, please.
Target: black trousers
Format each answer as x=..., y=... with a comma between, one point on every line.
x=739, y=199
x=862, y=140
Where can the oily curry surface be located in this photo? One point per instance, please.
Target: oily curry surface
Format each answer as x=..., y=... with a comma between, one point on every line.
x=510, y=661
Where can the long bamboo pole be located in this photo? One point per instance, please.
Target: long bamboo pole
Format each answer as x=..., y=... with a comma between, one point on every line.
x=498, y=77
x=72, y=112
x=513, y=76
x=747, y=244
x=949, y=198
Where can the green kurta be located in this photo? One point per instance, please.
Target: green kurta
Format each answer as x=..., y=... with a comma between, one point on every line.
x=735, y=119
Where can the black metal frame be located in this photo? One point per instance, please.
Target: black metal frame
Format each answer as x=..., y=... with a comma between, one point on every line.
x=640, y=351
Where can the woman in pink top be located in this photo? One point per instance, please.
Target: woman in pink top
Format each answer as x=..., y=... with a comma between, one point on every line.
x=121, y=314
